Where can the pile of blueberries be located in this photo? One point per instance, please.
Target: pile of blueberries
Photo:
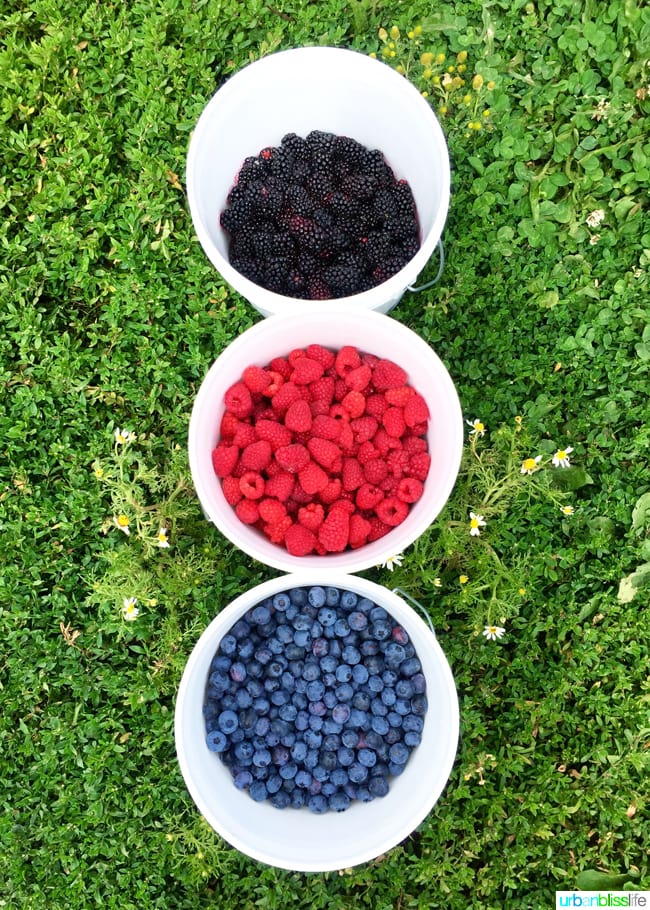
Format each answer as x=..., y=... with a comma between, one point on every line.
x=315, y=697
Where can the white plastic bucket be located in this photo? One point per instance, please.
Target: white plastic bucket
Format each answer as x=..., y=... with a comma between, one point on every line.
x=374, y=333
x=330, y=89
x=296, y=838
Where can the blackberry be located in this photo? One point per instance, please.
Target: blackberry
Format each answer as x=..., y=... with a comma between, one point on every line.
x=299, y=200
x=275, y=274
x=308, y=234
x=343, y=280
x=375, y=165
x=349, y=153
x=359, y=186
x=295, y=144
x=376, y=247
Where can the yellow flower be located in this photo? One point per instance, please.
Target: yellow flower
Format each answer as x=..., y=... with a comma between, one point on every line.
x=373, y=55
x=561, y=457
x=98, y=472
x=476, y=522
x=121, y=521
x=491, y=86
x=123, y=436
x=461, y=56
x=437, y=583
x=417, y=31
x=477, y=82
x=383, y=34
x=567, y=510
x=463, y=579
x=521, y=591
x=400, y=69
x=129, y=609
x=394, y=32
x=440, y=58
x=529, y=465
x=478, y=427
x=427, y=74
x=161, y=539
x=426, y=59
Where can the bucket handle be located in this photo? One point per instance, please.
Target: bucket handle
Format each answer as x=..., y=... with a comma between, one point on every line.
x=430, y=284
x=418, y=605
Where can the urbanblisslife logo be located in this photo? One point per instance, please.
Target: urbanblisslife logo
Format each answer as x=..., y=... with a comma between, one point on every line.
x=584, y=899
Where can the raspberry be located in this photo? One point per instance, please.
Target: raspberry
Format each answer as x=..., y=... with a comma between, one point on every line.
x=400, y=396
x=346, y=439
x=224, y=459
x=413, y=444
x=299, y=540
x=246, y=510
x=393, y=422
x=298, y=416
x=344, y=503
x=324, y=452
x=292, y=458
x=398, y=462
x=331, y=492
x=352, y=475
x=334, y=533
x=231, y=491
x=257, y=455
x=311, y=516
x=375, y=470
x=252, y=485
x=277, y=380
x=419, y=465
x=256, y=379
x=366, y=452
x=354, y=403
x=244, y=434
x=281, y=366
x=364, y=428
x=323, y=355
x=275, y=532
x=368, y=495
x=227, y=426
x=280, y=486
x=415, y=411
x=313, y=478
x=271, y=510
x=359, y=378
x=238, y=400
x=319, y=407
x=286, y=395
x=378, y=528
x=409, y=489
x=322, y=389
x=325, y=427
x=274, y=432
x=306, y=370
x=294, y=355
x=388, y=375
x=359, y=530
x=384, y=442
x=392, y=511
x=376, y=405
x=347, y=358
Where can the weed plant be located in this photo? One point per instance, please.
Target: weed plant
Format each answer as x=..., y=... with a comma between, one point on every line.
x=110, y=317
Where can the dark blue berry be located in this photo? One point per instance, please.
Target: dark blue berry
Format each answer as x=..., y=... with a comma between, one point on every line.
x=216, y=741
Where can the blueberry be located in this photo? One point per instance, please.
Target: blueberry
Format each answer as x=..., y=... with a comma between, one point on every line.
x=374, y=664
x=262, y=726
x=344, y=692
x=419, y=705
x=348, y=600
x=281, y=601
x=228, y=721
x=302, y=622
x=316, y=596
x=357, y=773
x=330, y=699
x=258, y=791
x=327, y=760
x=284, y=634
x=238, y=672
x=263, y=655
x=357, y=621
x=380, y=725
x=318, y=708
x=311, y=670
x=220, y=662
x=328, y=789
x=216, y=741
x=404, y=688
x=413, y=723
x=412, y=738
x=343, y=673
x=276, y=647
x=341, y=628
x=389, y=677
x=327, y=616
x=241, y=630
x=328, y=664
x=262, y=758
x=315, y=720
x=288, y=771
x=320, y=647
x=298, y=597
x=317, y=804
x=245, y=649
x=341, y=713
x=378, y=786
x=332, y=596
x=281, y=800
x=394, y=654
x=403, y=706
x=345, y=756
x=375, y=683
x=399, y=753
x=260, y=615
x=369, y=648
x=316, y=630
x=378, y=613
x=320, y=773
x=298, y=798
x=350, y=738
x=360, y=674
x=302, y=721
x=419, y=683
x=313, y=739
x=244, y=751
x=280, y=756
x=311, y=759
x=394, y=719
x=331, y=742
x=302, y=638
x=339, y=777
x=359, y=720
x=400, y=635
x=288, y=712
x=228, y=644
x=381, y=630
x=366, y=757
x=388, y=696
x=351, y=655
x=243, y=780
x=303, y=779
x=273, y=783
x=410, y=667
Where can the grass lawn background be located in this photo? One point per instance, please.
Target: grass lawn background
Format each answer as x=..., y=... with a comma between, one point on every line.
x=110, y=316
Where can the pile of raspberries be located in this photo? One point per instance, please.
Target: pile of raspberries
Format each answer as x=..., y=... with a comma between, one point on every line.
x=320, y=217
x=323, y=450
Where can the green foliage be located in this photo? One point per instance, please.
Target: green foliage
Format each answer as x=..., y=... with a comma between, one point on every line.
x=110, y=315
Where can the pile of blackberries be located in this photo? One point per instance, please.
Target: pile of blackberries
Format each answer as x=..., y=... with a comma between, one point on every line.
x=315, y=698
x=319, y=217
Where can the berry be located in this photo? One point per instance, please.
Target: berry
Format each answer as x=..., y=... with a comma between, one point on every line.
x=272, y=511
x=388, y=375
x=292, y=458
x=354, y=403
x=415, y=410
x=325, y=427
x=358, y=379
x=252, y=485
x=298, y=416
x=274, y=432
x=392, y=511
x=247, y=511
x=285, y=396
x=418, y=465
x=393, y=421
x=324, y=452
x=311, y=516
x=257, y=455
x=359, y=530
x=368, y=496
x=347, y=359
x=238, y=400
x=256, y=379
x=224, y=459
x=312, y=478
x=409, y=489
x=363, y=428
x=352, y=475
x=306, y=370
x=231, y=490
x=280, y=486
x=375, y=470
x=334, y=533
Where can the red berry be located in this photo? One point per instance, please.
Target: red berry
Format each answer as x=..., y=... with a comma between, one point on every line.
x=282, y=366
x=244, y=434
x=324, y=452
x=376, y=405
x=393, y=422
x=256, y=378
x=280, y=486
x=323, y=355
x=286, y=395
x=238, y=400
x=224, y=459
x=354, y=403
x=388, y=375
x=246, y=510
x=392, y=511
x=409, y=489
x=252, y=485
x=276, y=532
x=257, y=455
x=227, y=426
x=359, y=378
x=313, y=478
x=419, y=465
x=231, y=490
x=277, y=380
x=292, y=458
x=299, y=540
x=364, y=428
x=306, y=370
x=326, y=427
x=359, y=530
x=368, y=496
x=415, y=411
x=366, y=452
x=331, y=492
x=298, y=416
x=322, y=389
x=352, y=475
x=274, y=432
x=378, y=528
x=375, y=470
x=271, y=510
x=384, y=442
x=399, y=397
x=311, y=516
x=413, y=444
x=347, y=358
x=334, y=533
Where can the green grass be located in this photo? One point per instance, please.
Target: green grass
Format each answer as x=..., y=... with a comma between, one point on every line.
x=110, y=315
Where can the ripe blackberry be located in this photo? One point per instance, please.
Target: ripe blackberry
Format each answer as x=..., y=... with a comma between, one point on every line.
x=376, y=247
x=251, y=169
x=343, y=280
x=349, y=152
x=308, y=234
x=359, y=186
x=299, y=200
x=375, y=165
x=275, y=274
x=403, y=227
x=296, y=145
